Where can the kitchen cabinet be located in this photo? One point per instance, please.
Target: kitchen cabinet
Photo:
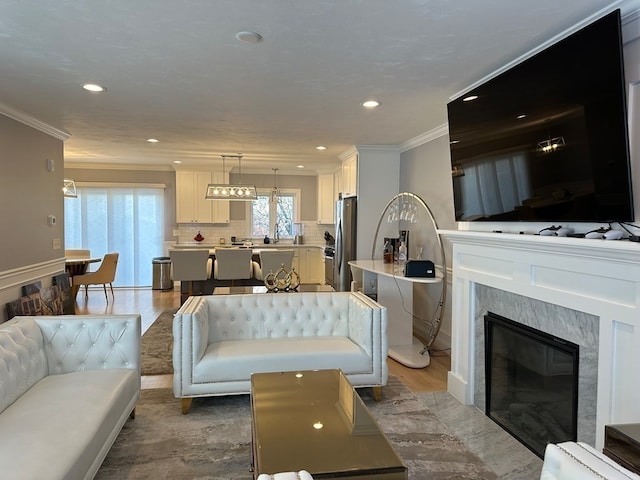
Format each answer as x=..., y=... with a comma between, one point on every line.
x=191, y=206
x=350, y=175
x=219, y=208
x=310, y=265
x=325, y=199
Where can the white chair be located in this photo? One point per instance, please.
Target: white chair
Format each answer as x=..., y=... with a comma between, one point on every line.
x=272, y=261
x=301, y=475
x=233, y=264
x=106, y=273
x=190, y=266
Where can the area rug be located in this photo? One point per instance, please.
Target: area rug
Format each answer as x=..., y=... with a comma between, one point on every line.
x=213, y=442
x=157, y=346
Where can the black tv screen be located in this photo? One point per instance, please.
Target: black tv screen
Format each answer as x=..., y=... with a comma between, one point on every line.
x=547, y=139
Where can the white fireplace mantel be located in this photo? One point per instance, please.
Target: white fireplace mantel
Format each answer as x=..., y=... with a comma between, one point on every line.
x=599, y=277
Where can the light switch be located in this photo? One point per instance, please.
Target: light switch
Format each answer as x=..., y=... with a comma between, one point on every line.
x=57, y=244
x=51, y=220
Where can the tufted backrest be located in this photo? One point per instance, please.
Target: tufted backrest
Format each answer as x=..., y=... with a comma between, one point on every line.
x=22, y=358
x=277, y=315
x=74, y=343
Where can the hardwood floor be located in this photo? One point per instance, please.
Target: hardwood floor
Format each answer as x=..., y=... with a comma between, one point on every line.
x=151, y=303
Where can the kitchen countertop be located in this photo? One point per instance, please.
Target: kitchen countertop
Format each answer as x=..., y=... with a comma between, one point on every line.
x=255, y=246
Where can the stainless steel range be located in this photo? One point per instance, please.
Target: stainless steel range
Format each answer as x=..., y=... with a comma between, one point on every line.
x=329, y=253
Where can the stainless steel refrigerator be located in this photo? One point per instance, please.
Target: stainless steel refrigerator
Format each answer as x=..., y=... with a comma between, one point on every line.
x=346, y=226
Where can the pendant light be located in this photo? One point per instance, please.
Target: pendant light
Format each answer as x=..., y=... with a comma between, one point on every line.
x=225, y=191
x=69, y=188
x=275, y=193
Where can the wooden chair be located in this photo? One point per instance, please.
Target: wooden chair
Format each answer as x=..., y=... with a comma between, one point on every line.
x=190, y=266
x=272, y=261
x=106, y=273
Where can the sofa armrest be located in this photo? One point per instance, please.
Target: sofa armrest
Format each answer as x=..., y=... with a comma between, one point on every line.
x=91, y=342
x=190, y=339
x=368, y=324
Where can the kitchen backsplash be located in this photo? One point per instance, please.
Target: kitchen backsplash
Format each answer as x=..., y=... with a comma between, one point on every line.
x=313, y=232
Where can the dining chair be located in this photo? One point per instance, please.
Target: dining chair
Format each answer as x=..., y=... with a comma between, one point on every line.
x=273, y=261
x=190, y=266
x=106, y=273
x=233, y=264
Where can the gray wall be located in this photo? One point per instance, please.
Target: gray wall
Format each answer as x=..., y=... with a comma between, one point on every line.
x=426, y=172
x=308, y=185
x=28, y=194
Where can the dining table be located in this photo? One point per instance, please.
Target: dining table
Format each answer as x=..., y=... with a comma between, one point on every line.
x=78, y=266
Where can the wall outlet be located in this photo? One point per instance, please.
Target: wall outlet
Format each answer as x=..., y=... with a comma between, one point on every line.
x=176, y=232
x=57, y=244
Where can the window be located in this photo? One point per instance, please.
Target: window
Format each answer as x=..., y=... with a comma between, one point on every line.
x=266, y=214
x=127, y=220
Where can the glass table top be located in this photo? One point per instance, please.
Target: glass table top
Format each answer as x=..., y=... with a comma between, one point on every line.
x=316, y=421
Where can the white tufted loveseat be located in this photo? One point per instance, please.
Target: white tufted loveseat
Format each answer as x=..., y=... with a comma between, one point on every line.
x=67, y=386
x=220, y=340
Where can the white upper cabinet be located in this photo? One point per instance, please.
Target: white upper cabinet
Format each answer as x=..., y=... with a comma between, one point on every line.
x=325, y=199
x=191, y=206
x=350, y=176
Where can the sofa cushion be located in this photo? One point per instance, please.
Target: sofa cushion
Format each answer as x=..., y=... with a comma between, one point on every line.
x=76, y=412
x=237, y=359
x=22, y=359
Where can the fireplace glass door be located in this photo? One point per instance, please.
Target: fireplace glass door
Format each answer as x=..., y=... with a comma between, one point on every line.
x=531, y=383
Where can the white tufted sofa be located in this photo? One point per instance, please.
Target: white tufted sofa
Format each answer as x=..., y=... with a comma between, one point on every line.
x=579, y=461
x=220, y=340
x=67, y=386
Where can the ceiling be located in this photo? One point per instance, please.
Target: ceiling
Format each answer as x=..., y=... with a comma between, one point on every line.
x=175, y=71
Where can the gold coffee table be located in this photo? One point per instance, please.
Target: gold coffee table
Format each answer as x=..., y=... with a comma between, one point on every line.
x=316, y=421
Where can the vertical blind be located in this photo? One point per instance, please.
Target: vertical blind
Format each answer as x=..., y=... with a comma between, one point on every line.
x=126, y=220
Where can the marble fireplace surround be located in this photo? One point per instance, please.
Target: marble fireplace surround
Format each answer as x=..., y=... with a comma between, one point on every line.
x=597, y=277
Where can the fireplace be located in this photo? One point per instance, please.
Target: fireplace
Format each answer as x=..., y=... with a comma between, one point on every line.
x=531, y=383
x=586, y=291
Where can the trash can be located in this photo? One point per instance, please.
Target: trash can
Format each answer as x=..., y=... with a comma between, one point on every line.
x=162, y=274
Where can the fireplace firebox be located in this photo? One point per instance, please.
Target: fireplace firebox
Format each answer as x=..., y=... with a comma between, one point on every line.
x=531, y=383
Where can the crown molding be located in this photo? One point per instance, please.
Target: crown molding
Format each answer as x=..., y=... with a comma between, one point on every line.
x=32, y=122
x=425, y=137
x=117, y=166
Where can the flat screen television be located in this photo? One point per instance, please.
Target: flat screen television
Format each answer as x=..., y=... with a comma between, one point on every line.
x=547, y=140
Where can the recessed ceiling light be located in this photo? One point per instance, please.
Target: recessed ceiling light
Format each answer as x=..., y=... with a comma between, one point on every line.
x=152, y=140
x=321, y=147
x=248, y=37
x=93, y=87
x=177, y=161
x=470, y=98
x=370, y=104
x=300, y=166
x=521, y=116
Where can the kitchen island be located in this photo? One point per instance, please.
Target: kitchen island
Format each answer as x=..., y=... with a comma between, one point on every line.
x=308, y=260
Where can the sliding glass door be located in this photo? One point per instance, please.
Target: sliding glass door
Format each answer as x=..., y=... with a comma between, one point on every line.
x=126, y=220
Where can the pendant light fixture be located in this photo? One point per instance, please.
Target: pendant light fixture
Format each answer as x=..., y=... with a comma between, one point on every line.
x=225, y=191
x=275, y=193
x=69, y=188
